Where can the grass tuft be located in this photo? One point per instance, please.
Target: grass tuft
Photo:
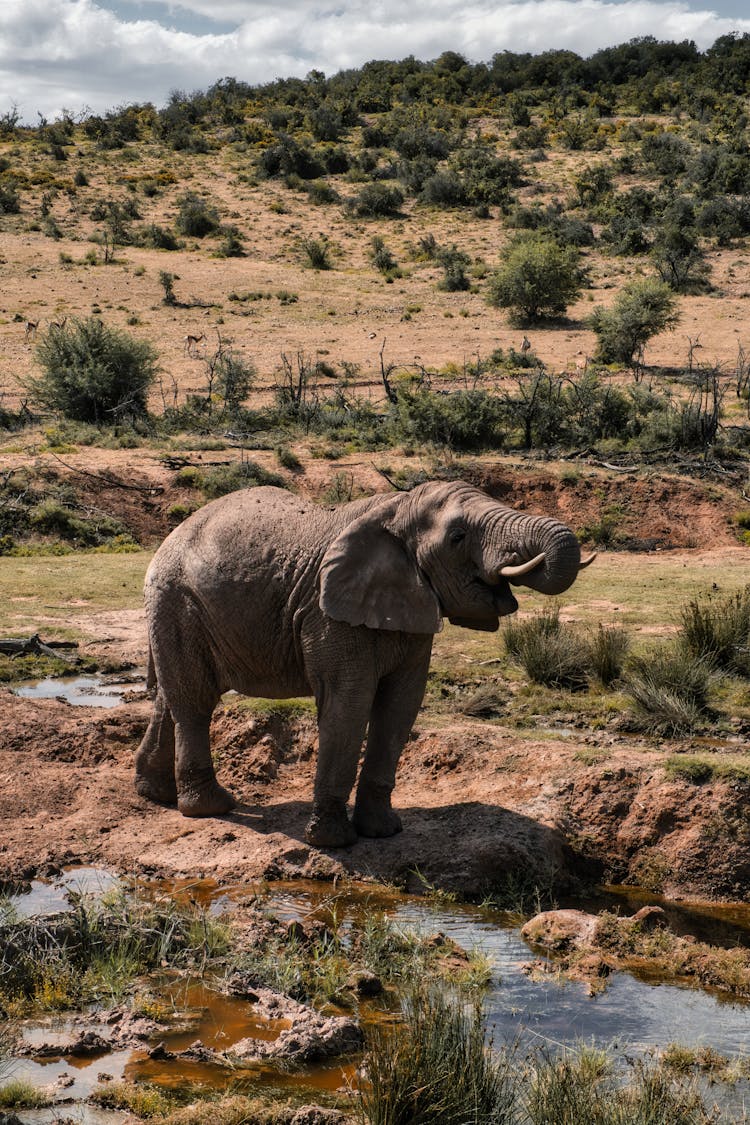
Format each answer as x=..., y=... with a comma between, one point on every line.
x=669, y=690
x=718, y=629
x=550, y=652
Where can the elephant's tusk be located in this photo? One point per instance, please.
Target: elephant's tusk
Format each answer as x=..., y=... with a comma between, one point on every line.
x=588, y=561
x=522, y=568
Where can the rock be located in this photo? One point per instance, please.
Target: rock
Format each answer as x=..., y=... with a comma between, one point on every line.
x=317, y=1115
x=560, y=930
x=650, y=917
x=311, y=1038
x=365, y=983
x=160, y=1053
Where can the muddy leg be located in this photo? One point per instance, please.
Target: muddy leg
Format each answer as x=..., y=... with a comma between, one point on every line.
x=342, y=721
x=154, y=759
x=199, y=793
x=394, y=710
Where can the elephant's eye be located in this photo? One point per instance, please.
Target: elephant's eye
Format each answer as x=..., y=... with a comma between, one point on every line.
x=457, y=535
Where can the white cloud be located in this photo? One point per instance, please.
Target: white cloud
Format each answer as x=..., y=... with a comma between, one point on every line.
x=56, y=53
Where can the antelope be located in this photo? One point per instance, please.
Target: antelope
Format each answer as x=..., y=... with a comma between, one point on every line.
x=31, y=327
x=58, y=324
x=525, y=345
x=191, y=342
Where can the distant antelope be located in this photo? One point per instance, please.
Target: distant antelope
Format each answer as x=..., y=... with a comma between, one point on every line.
x=59, y=324
x=191, y=342
x=581, y=362
x=31, y=327
x=525, y=345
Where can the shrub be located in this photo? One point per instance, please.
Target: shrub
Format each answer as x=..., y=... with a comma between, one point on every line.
x=678, y=258
x=317, y=251
x=381, y=257
x=92, y=373
x=231, y=245
x=376, y=200
x=444, y=189
x=195, y=217
x=462, y=420
x=223, y=479
x=454, y=263
x=538, y=278
x=157, y=237
x=641, y=309
x=718, y=629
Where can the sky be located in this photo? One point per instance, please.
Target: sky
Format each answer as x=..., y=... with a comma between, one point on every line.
x=94, y=55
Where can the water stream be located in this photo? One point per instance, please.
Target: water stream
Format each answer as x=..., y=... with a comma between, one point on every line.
x=631, y=1014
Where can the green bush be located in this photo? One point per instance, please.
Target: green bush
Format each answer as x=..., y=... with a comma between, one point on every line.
x=462, y=420
x=317, y=251
x=195, y=217
x=641, y=309
x=93, y=373
x=538, y=278
x=455, y=263
x=376, y=200
x=381, y=257
x=223, y=479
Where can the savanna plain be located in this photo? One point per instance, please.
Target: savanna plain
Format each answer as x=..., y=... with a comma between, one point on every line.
x=531, y=275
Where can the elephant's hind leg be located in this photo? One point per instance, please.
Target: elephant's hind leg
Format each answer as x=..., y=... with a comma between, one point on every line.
x=199, y=793
x=154, y=760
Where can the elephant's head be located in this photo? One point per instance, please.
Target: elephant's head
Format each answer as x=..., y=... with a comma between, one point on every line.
x=442, y=550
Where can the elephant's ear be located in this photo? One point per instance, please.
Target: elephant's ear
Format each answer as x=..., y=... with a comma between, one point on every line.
x=367, y=578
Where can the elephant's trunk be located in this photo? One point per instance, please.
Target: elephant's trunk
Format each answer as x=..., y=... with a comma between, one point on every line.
x=532, y=551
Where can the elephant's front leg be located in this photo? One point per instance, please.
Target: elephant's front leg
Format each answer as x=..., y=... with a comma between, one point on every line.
x=395, y=708
x=343, y=711
x=198, y=791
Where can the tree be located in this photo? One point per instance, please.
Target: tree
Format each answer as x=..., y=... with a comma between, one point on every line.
x=641, y=309
x=538, y=278
x=92, y=373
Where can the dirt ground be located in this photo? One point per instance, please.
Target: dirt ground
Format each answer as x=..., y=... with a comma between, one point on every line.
x=482, y=808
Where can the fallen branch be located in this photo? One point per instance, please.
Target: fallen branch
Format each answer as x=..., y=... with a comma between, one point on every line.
x=113, y=482
x=34, y=646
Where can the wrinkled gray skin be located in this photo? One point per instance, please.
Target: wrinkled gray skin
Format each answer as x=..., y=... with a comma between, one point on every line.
x=273, y=596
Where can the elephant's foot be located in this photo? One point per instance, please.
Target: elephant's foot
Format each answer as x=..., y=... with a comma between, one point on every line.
x=374, y=817
x=330, y=827
x=212, y=800
x=158, y=787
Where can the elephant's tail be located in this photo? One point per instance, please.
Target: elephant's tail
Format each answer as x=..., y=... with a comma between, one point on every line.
x=150, y=671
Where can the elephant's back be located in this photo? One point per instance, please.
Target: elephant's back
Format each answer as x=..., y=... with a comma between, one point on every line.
x=240, y=517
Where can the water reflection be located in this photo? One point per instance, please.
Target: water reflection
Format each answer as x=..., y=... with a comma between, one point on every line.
x=630, y=1014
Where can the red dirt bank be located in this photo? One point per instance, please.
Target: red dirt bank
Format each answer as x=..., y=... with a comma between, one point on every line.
x=480, y=806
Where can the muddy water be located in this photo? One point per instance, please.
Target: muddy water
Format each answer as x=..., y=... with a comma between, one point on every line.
x=630, y=1015
x=81, y=691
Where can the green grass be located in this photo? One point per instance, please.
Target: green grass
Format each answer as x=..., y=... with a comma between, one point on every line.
x=17, y=1094
x=142, y=1100
x=434, y=1068
x=96, y=951
x=39, y=595
x=701, y=768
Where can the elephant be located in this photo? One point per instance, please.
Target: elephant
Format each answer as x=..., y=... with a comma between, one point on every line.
x=274, y=596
